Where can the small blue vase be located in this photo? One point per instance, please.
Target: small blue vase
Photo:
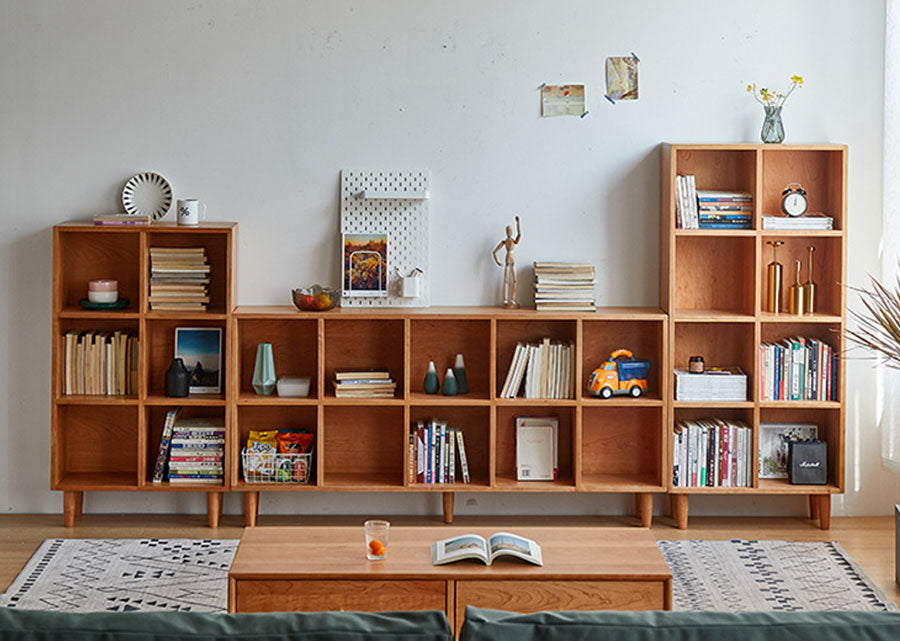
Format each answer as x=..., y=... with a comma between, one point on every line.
x=264, y=378
x=450, y=387
x=431, y=383
x=459, y=371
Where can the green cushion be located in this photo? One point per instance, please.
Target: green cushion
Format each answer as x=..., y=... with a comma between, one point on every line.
x=494, y=625
x=34, y=625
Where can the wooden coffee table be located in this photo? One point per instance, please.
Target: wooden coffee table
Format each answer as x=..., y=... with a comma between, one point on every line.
x=317, y=568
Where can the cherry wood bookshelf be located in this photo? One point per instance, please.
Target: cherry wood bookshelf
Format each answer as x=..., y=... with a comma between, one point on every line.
x=617, y=445
x=109, y=443
x=713, y=288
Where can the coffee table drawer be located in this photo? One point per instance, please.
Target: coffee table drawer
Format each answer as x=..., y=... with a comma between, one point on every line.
x=316, y=596
x=535, y=596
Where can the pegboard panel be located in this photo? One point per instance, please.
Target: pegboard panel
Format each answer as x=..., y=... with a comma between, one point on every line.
x=395, y=203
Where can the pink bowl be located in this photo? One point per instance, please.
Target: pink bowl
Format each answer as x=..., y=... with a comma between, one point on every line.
x=103, y=286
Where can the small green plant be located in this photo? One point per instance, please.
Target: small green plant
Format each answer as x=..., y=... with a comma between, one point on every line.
x=774, y=99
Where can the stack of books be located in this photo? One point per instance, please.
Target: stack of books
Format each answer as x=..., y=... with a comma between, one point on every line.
x=196, y=451
x=122, y=219
x=545, y=368
x=179, y=279
x=798, y=369
x=364, y=384
x=715, y=384
x=817, y=222
x=725, y=209
x=100, y=362
x=434, y=448
x=567, y=287
x=712, y=453
x=686, y=213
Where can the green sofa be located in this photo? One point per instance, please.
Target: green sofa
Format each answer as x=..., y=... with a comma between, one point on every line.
x=493, y=625
x=34, y=625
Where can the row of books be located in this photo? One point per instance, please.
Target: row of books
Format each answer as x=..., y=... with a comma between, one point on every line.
x=712, y=453
x=817, y=222
x=364, y=384
x=100, y=362
x=191, y=450
x=687, y=216
x=545, y=368
x=798, y=369
x=122, y=219
x=724, y=209
x=179, y=279
x=566, y=287
x=434, y=449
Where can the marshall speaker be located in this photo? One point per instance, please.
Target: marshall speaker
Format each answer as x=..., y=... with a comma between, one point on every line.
x=808, y=462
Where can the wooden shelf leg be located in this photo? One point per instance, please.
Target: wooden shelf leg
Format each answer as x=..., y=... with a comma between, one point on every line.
x=213, y=508
x=73, y=502
x=814, y=507
x=679, y=504
x=825, y=511
x=448, y=507
x=644, y=508
x=251, y=508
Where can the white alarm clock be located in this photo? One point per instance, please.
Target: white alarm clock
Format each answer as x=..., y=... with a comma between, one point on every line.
x=793, y=200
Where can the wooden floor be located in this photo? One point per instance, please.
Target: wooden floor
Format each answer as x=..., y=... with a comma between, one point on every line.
x=869, y=540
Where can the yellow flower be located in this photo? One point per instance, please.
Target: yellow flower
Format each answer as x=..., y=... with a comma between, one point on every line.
x=765, y=94
x=749, y=88
x=798, y=80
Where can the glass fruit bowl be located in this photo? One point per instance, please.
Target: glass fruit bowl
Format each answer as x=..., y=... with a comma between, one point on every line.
x=315, y=298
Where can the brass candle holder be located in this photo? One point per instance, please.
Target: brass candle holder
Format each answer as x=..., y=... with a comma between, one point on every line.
x=809, y=286
x=773, y=279
x=798, y=293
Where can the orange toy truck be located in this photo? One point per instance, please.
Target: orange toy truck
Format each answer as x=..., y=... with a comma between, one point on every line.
x=621, y=374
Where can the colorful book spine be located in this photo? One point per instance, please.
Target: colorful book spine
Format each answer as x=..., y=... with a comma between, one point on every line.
x=159, y=470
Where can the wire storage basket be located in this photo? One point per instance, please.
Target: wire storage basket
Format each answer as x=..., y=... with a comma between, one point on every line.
x=274, y=467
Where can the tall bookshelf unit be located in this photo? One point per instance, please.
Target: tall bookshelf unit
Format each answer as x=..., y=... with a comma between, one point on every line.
x=109, y=443
x=713, y=287
x=614, y=445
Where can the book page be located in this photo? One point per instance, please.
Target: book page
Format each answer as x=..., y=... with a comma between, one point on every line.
x=465, y=546
x=506, y=543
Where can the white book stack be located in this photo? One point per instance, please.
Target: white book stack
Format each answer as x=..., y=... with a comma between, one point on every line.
x=817, y=222
x=179, y=279
x=725, y=384
x=566, y=287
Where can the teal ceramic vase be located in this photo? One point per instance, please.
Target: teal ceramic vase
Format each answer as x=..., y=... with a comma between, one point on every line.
x=459, y=371
x=264, y=378
x=431, y=384
x=450, y=387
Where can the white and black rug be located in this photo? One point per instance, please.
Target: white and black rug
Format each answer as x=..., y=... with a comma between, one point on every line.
x=124, y=575
x=752, y=576
x=118, y=575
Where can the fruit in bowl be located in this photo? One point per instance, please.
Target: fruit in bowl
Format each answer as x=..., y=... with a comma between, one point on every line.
x=315, y=298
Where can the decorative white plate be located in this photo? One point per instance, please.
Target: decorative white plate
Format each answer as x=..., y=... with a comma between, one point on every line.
x=147, y=193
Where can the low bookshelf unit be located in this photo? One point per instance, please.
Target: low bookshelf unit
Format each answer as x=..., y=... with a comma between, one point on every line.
x=714, y=287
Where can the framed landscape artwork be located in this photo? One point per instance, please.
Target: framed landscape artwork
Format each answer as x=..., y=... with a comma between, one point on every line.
x=773, y=446
x=365, y=264
x=201, y=350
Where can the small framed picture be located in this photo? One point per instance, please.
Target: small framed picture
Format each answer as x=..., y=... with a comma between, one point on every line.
x=365, y=264
x=201, y=350
x=773, y=446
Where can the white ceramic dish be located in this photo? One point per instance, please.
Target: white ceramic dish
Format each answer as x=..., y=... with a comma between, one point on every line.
x=293, y=386
x=147, y=193
x=103, y=297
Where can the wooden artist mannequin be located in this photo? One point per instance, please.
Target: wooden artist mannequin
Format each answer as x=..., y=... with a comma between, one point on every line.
x=509, y=268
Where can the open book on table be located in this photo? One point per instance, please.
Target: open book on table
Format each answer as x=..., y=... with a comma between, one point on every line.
x=472, y=546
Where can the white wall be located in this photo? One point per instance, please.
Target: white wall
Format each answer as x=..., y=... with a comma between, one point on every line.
x=255, y=107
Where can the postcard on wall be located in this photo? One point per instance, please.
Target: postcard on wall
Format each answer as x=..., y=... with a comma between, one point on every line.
x=200, y=348
x=365, y=264
x=773, y=446
x=562, y=100
x=622, y=78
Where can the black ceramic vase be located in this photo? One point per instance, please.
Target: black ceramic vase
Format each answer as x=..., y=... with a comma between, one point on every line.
x=178, y=379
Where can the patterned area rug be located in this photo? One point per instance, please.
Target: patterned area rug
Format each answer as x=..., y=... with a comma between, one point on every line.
x=747, y=576
x=125, y=575
x=120, y=575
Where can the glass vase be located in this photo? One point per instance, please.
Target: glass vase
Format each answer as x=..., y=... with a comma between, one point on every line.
x=772, y=128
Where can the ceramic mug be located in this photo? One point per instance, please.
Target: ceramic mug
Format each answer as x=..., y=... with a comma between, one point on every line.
x=189, y=211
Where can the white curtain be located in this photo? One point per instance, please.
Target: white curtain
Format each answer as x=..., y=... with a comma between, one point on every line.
x=890, y=407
